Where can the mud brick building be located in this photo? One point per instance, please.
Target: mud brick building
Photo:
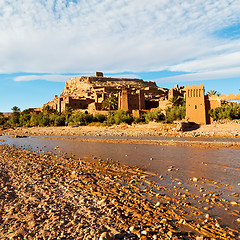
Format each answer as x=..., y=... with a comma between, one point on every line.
x=134, y=95
x=198, y=104
x=88, y=93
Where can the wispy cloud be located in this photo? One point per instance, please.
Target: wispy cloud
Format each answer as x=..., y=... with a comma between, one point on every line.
x=63, y=78
x=51, y=77
x=202, y=76
x=62, y=36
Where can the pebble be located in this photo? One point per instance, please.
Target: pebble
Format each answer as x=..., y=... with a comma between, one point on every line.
x=131, y=229
x=217, y=225
x=182, y=221
x=106, y=236
x=233, y=203
x=68, y=201
x=164, y=221
x=195, y=179
x=235, y=194
x=144, y=232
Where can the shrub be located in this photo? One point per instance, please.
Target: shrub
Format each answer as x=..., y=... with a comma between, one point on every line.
x=7, y=124
x=120, y=116
x=34, y=120
x=226, y=111
x=78, y=118
x=155, y=115
x=43, y=120
x=175, y=113
x=59, y=120
x=3, y=120
x=24, y=119
x=99, y=118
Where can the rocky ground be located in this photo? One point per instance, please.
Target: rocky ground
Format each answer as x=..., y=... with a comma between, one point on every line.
x=217, y=129
x=49, y=196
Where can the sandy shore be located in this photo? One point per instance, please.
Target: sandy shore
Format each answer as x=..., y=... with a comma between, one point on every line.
x=193, y=137
x=55, y=197
x=52, y=196
x=228, y=129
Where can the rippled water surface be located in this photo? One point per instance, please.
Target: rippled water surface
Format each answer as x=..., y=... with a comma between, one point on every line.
x=218, y=168
x=221, y=164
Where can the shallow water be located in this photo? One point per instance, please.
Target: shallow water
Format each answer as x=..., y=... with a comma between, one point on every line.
x=218, y=170
x=218, y=164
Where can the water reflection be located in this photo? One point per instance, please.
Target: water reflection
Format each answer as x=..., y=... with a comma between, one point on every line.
x=209, y=165
x=221, y=165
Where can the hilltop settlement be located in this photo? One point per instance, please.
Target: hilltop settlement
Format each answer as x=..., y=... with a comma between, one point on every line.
x=136, y=96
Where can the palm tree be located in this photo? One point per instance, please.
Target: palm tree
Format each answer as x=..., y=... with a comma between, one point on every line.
x=110, y=103
x=15, y=115
x=16, y=109
x=213, y=92
x=176, y=101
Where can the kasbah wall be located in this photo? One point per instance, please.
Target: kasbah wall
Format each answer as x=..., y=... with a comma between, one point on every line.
x=198, y=104
x=133, y=95
x=136, y=96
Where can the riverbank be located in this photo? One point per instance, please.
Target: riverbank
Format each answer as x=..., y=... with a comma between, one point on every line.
x=50, y=196
x=206, y=136
x=220, y=129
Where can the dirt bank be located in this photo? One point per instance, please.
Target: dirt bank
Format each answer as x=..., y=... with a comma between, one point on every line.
x=225, y=129
x=55, y=197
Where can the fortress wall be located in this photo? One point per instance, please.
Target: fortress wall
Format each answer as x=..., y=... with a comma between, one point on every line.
x=226, y=98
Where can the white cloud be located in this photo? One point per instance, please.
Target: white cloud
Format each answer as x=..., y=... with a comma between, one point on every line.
x=51, y=77
x=64, y=78
x=219, y=62
x=202, y=76
x=61, y=36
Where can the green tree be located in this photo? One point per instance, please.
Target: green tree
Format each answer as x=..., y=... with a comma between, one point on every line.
x=155, y=115
x=99, y=118
x=176, y=101
x=175, y=113
x=120, y=116
x=44, y=120
x=226, y=111
x=79, y=118
x=24, y=119
x=15, y=116
x=2, y=119
x=68, y=111
x=34, y=120
x=59, y=120
x=110, y=103
x=213, y=92
x=16, y=109
x=48, y=110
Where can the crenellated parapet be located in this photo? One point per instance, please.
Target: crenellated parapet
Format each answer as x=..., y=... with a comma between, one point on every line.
x=223, y=97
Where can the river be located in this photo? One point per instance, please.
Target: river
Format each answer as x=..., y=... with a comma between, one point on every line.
x=215, y=170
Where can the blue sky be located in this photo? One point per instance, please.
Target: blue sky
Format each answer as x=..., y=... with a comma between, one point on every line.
x=45, y=42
